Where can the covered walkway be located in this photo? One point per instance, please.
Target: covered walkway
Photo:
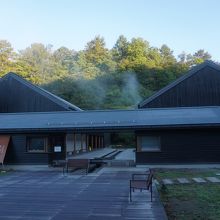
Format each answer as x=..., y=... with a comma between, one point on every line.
x=94, y=154
x=110, y=156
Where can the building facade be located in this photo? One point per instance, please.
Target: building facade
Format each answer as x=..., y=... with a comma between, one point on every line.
x=178, y=124
x=199, y=87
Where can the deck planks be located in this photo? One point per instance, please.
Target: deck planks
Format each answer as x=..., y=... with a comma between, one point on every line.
x=53, y=196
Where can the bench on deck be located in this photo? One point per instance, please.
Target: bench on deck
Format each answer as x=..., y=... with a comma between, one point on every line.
x=145, y=183
x=77, y=163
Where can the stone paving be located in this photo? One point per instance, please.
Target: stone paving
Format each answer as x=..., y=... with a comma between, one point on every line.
x=167, y=181
x=46, y=195
x=213, y=179
x=184, y=180
x=199, y=180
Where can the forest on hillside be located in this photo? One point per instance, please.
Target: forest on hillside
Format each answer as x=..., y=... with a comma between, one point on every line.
x=97, y=77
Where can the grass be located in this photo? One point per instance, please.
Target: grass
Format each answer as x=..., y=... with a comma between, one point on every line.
x=190, y=201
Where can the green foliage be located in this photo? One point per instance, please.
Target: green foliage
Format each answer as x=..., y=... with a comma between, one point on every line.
x=65, y=58
x=41, y=59
x=123, y=140
x=6, y=57
x=120, y=49
x=98, y=77
x=189, y=201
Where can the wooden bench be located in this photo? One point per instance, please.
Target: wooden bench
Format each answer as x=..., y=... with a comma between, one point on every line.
x=72, y=164
x=142, y=184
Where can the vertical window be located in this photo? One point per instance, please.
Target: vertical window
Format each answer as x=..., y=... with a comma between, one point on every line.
x=78, y=143
x=149, y=143
x=70, y=139
x=37, y=144
x=84, y=148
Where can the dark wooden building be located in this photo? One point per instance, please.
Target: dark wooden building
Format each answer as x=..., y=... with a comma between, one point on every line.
x=199, y=87
x=47, y=147
x=178, y=146
x=19, y=95
x=164, y=135
x=178, y=124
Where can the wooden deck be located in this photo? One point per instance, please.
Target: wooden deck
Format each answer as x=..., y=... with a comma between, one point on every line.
x=43, y=195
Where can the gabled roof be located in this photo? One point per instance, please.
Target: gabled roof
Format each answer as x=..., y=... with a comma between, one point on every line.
x=155, y=118
x=59, y=101
x=191, y=72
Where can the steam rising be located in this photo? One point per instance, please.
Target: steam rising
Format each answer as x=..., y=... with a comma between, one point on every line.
x=130, y=89
x=123, y=93
x=106, y=92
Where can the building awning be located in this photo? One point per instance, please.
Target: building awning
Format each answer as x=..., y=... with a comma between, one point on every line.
x=4, y=140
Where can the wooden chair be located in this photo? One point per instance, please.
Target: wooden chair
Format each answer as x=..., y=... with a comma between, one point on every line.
x=142, y=184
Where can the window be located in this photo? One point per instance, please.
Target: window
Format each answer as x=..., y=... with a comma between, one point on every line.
x=78, y=142
x=150, y=143
x=83, y=143
x=37, y=144
x=70, y=141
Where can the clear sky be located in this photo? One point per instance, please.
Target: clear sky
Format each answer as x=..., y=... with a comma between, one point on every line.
x=184, y=25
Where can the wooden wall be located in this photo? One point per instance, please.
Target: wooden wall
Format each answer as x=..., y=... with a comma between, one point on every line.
x=17, y=152
x=183, y=146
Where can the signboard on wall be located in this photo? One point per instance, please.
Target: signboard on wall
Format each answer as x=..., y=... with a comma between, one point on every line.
x=4, y=140
x=57, y=149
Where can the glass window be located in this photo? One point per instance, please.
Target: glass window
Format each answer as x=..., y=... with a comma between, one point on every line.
x=150, y=143
x=84, y=142
x=36, y=144
x=70, y=142
x=78, y=142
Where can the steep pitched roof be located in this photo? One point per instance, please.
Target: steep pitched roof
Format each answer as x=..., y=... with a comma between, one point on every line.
x=59, y=101
x=191, y=72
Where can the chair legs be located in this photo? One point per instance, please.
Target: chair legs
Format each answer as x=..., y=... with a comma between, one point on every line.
x=151, y=193
x=130, y=192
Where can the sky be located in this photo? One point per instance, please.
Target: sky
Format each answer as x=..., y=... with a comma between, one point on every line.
x=183, y=25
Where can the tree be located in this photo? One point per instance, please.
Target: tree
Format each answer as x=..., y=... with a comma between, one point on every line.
x=167, y=56
x=84, y=69
x=40, y=58
x=7, y=56
x=197, y=58
x=97, y=54
x=95, y=51
x=97, y=77
x=200, y=56
x=65, y=57
x=95, y=60
x=120, y=48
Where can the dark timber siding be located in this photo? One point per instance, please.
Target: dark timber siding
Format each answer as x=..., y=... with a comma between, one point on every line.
x=17, y=154
x=183, y=146
x=16, y=97
x=201, y=89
